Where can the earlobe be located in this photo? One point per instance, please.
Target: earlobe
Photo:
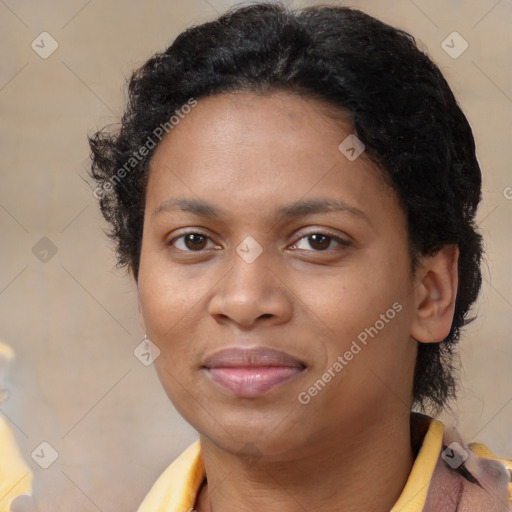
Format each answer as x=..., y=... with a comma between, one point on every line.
x=435, y=294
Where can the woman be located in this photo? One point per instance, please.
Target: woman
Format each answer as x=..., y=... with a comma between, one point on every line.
x=294, y=193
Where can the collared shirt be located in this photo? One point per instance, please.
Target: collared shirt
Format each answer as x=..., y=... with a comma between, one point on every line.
x=177, y=487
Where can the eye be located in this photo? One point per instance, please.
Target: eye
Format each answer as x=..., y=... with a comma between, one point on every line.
x=195, y=241
x=191, y=242
x=320, y=241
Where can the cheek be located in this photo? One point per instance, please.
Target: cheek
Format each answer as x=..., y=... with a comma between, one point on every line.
x=167, y=293
x=366, y=302
x=353, y=299
x=172, y=304
x=167, y=305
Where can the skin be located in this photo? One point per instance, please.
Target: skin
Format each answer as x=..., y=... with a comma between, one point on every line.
x=249, y=155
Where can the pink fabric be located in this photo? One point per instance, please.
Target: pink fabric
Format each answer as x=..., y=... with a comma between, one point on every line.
x=451, y=491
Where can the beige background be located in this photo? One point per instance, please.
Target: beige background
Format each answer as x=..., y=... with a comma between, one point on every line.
x=73, y=319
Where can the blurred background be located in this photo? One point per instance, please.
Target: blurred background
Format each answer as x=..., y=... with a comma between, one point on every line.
x=71, y=318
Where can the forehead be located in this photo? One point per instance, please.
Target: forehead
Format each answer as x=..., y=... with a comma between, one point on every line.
x=248, y=150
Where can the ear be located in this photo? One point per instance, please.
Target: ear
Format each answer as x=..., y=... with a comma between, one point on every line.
x=435, y=293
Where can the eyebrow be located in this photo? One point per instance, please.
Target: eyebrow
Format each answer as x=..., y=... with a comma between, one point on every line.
x=298, y=208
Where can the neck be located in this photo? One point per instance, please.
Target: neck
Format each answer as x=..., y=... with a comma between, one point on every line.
x=366, y=470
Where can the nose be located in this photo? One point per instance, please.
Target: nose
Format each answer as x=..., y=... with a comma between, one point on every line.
x=251, y=292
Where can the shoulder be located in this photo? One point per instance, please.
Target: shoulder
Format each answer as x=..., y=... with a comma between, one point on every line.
x=15, y=476
x=494, y=467
x=469, y=478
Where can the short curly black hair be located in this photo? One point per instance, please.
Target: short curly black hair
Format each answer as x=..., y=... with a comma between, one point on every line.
x=400, y=104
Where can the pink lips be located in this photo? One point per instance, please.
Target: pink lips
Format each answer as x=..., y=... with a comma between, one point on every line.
x=251, y=372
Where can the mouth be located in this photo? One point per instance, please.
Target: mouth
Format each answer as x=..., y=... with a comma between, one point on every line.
x=251, y=372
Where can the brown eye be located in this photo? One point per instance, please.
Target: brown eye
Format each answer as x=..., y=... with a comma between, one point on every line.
x=190, y=242
x=321, y=242
x=195, y=241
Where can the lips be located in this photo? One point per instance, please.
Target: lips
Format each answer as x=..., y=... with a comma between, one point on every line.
x=251, y=357
x=251, y=372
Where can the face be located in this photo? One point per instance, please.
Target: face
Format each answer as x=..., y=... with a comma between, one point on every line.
x=240, y=250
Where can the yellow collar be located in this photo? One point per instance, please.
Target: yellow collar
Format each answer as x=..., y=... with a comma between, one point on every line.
x=414, y=493
x=177, y=487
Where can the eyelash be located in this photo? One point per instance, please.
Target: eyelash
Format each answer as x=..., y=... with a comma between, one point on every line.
x=332, y=236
